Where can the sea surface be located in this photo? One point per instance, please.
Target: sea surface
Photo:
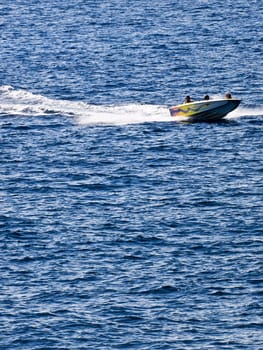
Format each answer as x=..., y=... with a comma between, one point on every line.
x=121, y=228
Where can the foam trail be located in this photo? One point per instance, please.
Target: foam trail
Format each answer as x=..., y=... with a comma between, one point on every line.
x=24, y=103
x=126, y=114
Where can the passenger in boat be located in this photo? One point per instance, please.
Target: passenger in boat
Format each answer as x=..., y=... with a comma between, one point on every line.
x=228, y=96
x=206, y=97
x=188, y=99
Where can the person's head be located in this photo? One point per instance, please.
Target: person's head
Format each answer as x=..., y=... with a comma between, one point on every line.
x=228, y=95
x=206, y=97
x=187, y=98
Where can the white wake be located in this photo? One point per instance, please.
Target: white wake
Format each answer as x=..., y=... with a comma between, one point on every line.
x=24, y=103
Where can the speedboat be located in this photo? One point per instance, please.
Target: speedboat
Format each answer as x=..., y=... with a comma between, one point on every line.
x=204, y=111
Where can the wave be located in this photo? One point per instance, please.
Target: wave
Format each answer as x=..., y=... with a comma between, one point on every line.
x=25, y=103
x=245, y=111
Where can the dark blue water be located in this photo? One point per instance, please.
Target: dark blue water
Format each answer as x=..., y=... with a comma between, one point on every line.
x=121, y=229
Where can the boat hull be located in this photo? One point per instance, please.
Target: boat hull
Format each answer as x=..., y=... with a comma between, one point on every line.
x=208, y=111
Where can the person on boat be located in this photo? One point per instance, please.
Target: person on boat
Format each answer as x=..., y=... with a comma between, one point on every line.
x=228, y=96
x=206, y=97
x=188, y=99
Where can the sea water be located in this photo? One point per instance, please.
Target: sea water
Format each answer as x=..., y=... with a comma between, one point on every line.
x=121, y=229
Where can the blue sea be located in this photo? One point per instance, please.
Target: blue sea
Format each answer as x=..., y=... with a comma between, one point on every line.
x=121, y=228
